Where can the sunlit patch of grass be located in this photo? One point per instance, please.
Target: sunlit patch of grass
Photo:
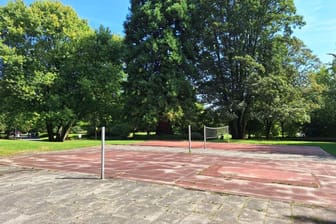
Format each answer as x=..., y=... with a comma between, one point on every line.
x=13, y=147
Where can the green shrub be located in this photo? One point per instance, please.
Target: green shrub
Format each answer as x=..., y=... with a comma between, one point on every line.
x=120, y=130
x=196, y=136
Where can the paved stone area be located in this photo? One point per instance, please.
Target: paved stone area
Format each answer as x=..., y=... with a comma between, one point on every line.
x=43, y=196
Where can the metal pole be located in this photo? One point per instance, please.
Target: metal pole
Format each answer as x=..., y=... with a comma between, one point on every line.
x=189, y=134
x=103, y=153
x=204, y=133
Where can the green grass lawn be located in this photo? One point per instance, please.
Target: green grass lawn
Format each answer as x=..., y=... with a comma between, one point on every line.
x=13, y=147
x=329, y=147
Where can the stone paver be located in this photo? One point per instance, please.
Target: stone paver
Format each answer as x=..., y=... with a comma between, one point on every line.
x=43, y=196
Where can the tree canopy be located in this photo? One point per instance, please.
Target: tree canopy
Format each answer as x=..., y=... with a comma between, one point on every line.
x=237, y=41
x=42, y=49
x=230, y=62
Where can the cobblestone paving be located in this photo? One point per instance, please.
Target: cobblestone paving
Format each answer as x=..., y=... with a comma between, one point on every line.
x=42, y=196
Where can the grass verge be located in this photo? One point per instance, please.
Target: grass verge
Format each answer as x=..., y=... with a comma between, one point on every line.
x=13, y=147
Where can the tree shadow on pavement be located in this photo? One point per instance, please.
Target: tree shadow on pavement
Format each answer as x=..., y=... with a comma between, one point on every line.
x=78, y=178
x=311, y=220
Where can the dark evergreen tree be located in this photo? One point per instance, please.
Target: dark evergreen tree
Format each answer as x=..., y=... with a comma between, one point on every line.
x=158, y=90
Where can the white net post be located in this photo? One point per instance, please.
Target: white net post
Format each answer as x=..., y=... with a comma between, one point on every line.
x=103, y=153
x=204, y=133
x=215, y=133
x=189, y=137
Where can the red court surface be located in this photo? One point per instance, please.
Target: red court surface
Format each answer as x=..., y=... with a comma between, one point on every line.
x=308, y=181
x=278, y=149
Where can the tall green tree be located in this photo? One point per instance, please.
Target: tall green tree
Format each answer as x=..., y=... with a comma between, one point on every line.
x=158, y=90
x=99, y=67
x=323, y=118
x=36, y=43
x=55, y=65
x=281, y=96
x=235, y=41
x=276, y=100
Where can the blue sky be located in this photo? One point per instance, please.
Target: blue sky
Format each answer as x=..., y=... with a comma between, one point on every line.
x=319, y=34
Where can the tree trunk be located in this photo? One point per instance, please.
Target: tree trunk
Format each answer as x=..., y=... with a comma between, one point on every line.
x=58, y=135
x=50, y=131
x=234, y=129
x=282, y=129
x=164, y=127
x=63, y=132
x=238, y=126
x=238, y=129
x=268, y=128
